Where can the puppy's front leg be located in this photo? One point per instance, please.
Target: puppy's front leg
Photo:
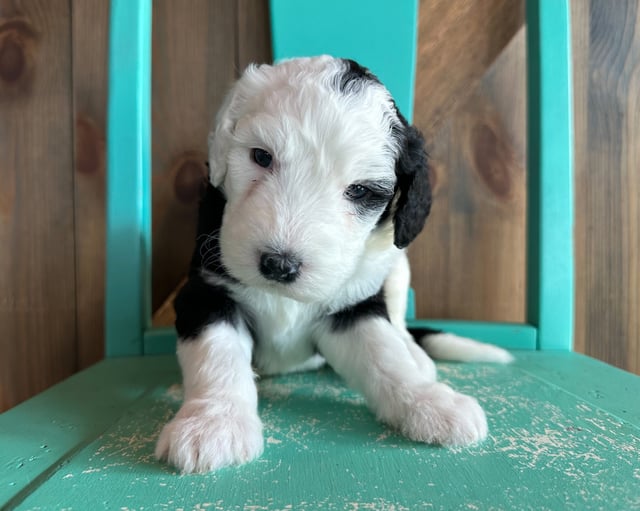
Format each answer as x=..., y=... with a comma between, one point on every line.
x=218, y=423
x=371, y=355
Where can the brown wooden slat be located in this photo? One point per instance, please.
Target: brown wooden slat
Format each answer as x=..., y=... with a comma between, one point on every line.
x=469, y=261
x=253, y=46
x=580, y=49
x=458, y=41
x=194, y=63
x=90, y=23
x=608, y=211
x=37, y=298
x=254, y=36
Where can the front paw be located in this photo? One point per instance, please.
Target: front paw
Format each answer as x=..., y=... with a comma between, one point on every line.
x=440, y=415
x=203, y=437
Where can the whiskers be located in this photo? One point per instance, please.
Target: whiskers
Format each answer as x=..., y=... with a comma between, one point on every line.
x=209, y=250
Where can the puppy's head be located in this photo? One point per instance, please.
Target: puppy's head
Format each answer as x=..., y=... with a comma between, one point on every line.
x=322, y=176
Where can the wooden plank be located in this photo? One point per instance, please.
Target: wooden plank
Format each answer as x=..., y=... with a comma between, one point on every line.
x=469, y=262
x=549, y=448
x=194, y=63
x=37, y=306
x=253, y=46
x=458, y=42
x=591, y=380
x=90, y=21
x=254, y=35
x=608, y=198
x=41, y=434
x=580, y=37
x=160, y=340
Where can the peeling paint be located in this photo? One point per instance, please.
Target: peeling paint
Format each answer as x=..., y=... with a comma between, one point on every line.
x=324, y=450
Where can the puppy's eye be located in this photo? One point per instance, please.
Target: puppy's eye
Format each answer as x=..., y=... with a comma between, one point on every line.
x=261, y=157
x=357, y=192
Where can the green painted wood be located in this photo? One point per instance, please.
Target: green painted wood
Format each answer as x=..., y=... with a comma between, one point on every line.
x=380, y=35
x=554, y=444
x=128, y=272
x=160, y=341
x=514, y=336
x=550, y=271
x=587, y=378
x=411, y=305
x=38, y=436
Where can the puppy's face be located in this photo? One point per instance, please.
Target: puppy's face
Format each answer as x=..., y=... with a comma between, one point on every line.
x=315, y=163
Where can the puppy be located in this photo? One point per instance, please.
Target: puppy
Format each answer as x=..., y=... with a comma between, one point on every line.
x=317, y=185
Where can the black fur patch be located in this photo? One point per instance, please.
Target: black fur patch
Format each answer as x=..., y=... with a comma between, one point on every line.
x=199, y=304
x=419, y=333
x=373, y=306
x=413, y=187
x=354, y=77
x=206, y=254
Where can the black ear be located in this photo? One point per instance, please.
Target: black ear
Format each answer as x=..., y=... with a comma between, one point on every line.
x=413, y=188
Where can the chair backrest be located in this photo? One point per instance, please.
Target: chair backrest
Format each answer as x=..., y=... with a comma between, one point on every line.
x=368, y=31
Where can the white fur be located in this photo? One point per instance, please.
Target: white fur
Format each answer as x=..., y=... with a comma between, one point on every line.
x=374, y=359
x=322, y=141
x=446, y=346
x=218, y=423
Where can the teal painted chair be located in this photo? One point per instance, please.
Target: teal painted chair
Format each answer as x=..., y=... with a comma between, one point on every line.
x=393, y=58
x=565, y=429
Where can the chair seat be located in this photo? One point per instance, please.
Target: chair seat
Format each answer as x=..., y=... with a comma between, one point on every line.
x=564, y=434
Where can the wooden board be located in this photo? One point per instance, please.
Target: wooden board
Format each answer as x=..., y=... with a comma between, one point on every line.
x=194, y=63
x=188, y=87
x=89, y=45
x=254, y=38
x=37, y=298
x=564, y=434
x=607, y=81
x=468, y=263
x=458, y=40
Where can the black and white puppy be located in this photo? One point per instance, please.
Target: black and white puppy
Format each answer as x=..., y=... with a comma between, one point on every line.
x=317, y=185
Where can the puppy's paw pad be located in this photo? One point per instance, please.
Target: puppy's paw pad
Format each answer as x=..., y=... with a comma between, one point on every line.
x=445, y=417
x=202, y=441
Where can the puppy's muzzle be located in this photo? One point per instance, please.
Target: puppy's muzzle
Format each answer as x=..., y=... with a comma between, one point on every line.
x=280, y=267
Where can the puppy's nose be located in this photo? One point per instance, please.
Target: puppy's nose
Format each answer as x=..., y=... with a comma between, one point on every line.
x=281, y=267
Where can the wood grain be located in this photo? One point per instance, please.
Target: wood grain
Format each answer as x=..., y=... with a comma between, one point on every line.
x=608, y=211
x=580, y=49
x=229, y=36
x=254, y=36
x=37, y=303
x=194, y=62
x=458, y=40
x=469, y=261
x=90, y=45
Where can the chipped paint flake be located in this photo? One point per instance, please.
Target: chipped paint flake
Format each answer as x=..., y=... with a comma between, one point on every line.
x=324, y=450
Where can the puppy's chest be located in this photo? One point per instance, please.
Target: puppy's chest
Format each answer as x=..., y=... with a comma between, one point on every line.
x=282, y=330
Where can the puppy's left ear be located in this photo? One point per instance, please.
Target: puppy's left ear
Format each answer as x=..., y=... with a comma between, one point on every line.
x=220, y=138
x=414, y=200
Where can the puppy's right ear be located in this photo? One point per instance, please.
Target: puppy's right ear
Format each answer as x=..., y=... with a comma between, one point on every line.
x=220, y=136
x=414, y=201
